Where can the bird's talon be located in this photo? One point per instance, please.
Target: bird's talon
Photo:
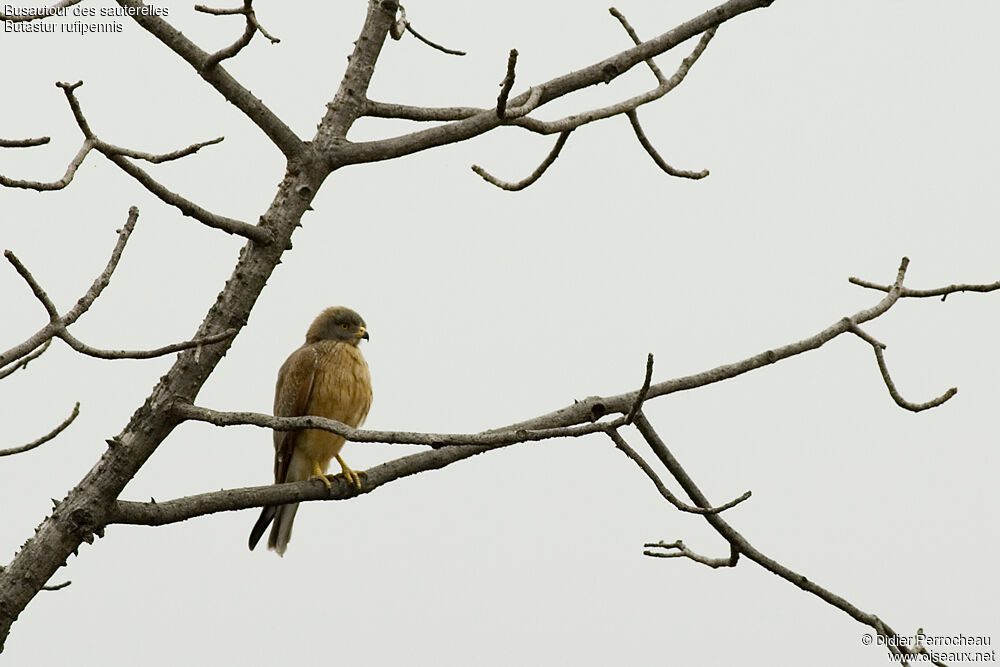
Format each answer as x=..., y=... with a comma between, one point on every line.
x=323, y=478
x=349, y=474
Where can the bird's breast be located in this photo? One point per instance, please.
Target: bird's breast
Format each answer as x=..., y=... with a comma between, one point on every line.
x=342, y=387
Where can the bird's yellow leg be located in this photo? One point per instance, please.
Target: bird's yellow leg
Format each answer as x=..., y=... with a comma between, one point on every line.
x=349, y=474
x=318, y=474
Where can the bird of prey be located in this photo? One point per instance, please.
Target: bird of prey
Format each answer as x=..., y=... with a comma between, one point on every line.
x=326, y=377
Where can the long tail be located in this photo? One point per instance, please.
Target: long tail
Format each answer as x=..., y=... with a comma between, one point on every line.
x=281, y=531
x=266, y=516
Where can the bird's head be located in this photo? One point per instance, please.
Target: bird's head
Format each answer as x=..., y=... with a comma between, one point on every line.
x=339, y=324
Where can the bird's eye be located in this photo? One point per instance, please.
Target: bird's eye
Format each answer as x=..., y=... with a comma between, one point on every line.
x=343, y=326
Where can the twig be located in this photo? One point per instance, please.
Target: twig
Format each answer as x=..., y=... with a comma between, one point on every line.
x=677, y=549
x=404, y=24
x=506, y=84
x=535, y=175
x=83, y=348
x=23, y=363
x=57, y=326
x=36, y=289
x=879, y=349
x=657, y=72
x=23, y=143
x=900, y=401
x=863, y=335
x=219, y=12
x=291, y=146
x=104, y=279
x=119, y=156
x=740, y=544
x=435, y=45
x=578, y=119
x=237, y=46
x=641, y=396
x=57, y=587
x=189, y=208
x=67, y=178
x=158, y=158
x=45, y=438
x=466, y=122
x=924, y=293
x=633, y=118
x=621, y=444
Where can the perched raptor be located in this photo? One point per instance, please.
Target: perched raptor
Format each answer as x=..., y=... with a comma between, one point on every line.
x=326, y=377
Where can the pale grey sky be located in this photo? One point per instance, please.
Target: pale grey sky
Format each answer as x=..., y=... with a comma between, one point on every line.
x=840, y=136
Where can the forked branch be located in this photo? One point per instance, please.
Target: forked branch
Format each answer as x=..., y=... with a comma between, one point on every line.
x=120, y=156
x=252, y=26
x=740, y=545
x=215, y=75
x=58, y=324
x=467, y=122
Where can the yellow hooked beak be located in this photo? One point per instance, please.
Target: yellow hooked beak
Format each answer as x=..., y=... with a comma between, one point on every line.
x=362, y=334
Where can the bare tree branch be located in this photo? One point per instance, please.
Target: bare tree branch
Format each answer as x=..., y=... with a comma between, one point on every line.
x=377, y=109
x=924, y=293
x=237, y=46
x=657, y=72
x=83, y=348
x=633, y=118
x=254, y=109
x=535, y=175
x=23, y=363
x=530, y=104
x=506, y=84
x=67, y=178
x=621, y=444
x=246, y=10
x=467, y=124
x=189, y=208
x=158, y=158
x=57, y=326
x=576, y=120
x=900, y=401
x=879, y=348
x=677, y=549
x=24, y=143
x=36, y=289
x=740, y=543
x=118, y=156
x=641, y=396
x=403, y=24
x=451, y=448
x=94, y=502
x=495, y=437
x=55, y=587
x=45, y=438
